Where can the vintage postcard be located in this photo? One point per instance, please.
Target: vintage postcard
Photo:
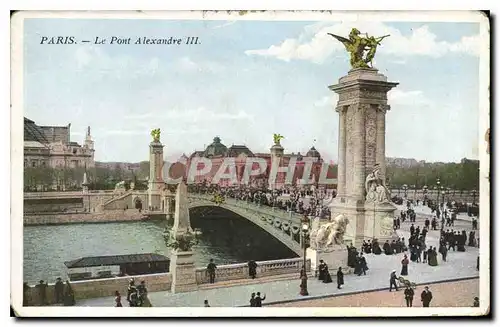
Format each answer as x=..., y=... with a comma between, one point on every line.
x=250, y=163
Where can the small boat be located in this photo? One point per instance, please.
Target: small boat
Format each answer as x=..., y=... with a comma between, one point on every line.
x=116, y=266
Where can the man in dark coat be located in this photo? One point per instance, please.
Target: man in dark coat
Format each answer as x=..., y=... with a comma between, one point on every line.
x=42, y=294
x=426, y=297
x=376, y=247
x=252, y=269
x=321, y=270
x=258, y=299
x=387, y=248
x=211, y=271
x=392, y=281
x=412, y=229
x=59, y=290
x=409, y=293
x=362, y=265
x=252, y=300
x=340, y=278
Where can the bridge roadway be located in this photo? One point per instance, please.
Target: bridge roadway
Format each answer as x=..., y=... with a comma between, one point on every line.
x=285, y=226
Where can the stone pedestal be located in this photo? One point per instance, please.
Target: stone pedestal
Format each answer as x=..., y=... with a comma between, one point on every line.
x=362, y=107
x=183, y=272
x=334, y=257
x=379, y=222
x=156, y=183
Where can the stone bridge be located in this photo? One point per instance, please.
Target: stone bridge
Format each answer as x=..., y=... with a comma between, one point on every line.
x=285, y=226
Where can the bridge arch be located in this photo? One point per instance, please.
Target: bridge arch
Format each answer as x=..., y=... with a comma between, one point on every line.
x=276, y=223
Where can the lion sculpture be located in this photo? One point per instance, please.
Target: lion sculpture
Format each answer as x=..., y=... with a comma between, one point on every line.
x=331, y=233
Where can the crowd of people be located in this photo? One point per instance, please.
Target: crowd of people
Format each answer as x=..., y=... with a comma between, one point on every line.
x=137, y=296
x=63, y=294
x=312, y=202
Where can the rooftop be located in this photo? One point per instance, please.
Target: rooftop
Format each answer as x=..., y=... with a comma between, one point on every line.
x=114, y=260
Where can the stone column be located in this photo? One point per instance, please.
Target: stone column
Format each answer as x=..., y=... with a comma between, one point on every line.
x=341, y=153
x=380, y=154
x=155, y=174
x=359, y=151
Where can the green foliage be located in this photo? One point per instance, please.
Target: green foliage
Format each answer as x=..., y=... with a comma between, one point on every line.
x=48, y=179
x=458, y=176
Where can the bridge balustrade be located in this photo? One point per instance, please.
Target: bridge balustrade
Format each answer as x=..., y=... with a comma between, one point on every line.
x=264, y=268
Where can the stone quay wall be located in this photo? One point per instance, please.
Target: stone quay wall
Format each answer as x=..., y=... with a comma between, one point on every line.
x=104, y=288
x=162, y=282
x=84, y=217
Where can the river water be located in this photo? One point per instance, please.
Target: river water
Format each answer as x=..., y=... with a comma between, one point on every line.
x=226, y=239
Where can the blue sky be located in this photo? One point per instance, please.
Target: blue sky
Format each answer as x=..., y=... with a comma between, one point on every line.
x=246, y=81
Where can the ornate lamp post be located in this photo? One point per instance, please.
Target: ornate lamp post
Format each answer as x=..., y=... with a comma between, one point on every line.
x=303, y=274
x=443, y=192
x=438, y=182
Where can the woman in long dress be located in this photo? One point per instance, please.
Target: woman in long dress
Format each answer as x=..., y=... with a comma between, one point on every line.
x=404, y=268
x=433, y=258
x=327, y=277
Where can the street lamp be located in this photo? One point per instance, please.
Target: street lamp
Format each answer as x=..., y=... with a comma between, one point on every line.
x=424, y=191
x=303, y=275
x=438, y=182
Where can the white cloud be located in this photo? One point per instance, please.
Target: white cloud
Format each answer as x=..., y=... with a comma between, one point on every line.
x=224, y=24
x=327, y=101
x=408, y=98
x=320, y=46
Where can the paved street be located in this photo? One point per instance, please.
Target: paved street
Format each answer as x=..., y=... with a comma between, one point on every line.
x=459, y=265
x=449, y=294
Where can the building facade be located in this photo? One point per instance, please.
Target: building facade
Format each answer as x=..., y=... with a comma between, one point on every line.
x=217, y=152
x=51, y=147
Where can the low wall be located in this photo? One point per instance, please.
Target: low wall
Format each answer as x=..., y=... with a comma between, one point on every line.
x=264, y=268
x=104, y=287
x=78, y=218
x=162, y=282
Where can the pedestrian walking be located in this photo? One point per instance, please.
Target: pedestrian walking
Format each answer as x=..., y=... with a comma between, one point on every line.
x=252, y=300
x=259, y=299
x=118, y=300
x=404, y=266
x=340, y=278
x=409, y=293
x=392, y=281
x=426, y=297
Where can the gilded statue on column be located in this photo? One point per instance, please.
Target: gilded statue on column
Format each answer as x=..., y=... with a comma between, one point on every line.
x=361, y=49
x=155, y=133
x=376, y=191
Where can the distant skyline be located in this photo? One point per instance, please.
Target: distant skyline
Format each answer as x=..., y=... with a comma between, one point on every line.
x=246, y=81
